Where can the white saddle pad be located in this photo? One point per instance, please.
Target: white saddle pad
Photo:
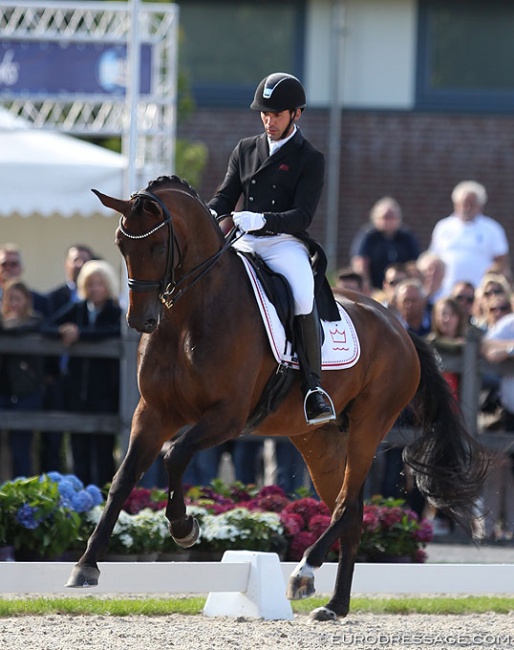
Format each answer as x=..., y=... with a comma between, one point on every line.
x=341, y=348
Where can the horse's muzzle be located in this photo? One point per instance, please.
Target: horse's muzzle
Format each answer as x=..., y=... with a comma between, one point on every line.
x=144, y=325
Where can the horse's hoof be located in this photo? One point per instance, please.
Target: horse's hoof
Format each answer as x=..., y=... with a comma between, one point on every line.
x=322, y=614
x=300, y=587
x=83, y=576
x=189, y=540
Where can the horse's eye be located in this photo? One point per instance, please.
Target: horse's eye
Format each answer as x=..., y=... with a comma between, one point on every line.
x=159, y=250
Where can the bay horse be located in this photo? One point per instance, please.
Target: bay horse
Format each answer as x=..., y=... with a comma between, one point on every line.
x=204, y=360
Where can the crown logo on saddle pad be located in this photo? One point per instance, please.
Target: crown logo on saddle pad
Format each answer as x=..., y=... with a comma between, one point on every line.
x=341, y=347
x=338, y=338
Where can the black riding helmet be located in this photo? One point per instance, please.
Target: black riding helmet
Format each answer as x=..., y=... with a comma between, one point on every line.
x=279, y=92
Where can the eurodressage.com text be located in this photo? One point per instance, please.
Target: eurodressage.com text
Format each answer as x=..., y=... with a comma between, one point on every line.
x=439, y=641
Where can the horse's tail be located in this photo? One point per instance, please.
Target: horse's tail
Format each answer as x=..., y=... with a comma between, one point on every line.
x=448, y=463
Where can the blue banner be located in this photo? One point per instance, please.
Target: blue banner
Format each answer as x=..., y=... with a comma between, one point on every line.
x=56, y=68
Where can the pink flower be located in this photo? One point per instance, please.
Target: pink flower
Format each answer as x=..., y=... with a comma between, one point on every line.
x=425, y=532
x=292, y=522
x=318, y=524
x=370, y=519
x=271, y=490
x=391, y=516
x=307, y=508
x=272, y=502
x=299, y=544
x=419, y=556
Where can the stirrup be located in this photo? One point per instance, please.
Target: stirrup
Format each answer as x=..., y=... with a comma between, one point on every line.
x=323, y=417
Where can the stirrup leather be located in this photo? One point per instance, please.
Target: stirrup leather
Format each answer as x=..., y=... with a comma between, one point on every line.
x=324, y=417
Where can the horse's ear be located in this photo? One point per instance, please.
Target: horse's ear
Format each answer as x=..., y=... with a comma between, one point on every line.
x=115, y=204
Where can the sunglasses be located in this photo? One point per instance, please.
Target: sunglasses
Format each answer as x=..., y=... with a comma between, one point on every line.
x=9, y=263
x=493, y=292
x=501, y=308
x=463, y=298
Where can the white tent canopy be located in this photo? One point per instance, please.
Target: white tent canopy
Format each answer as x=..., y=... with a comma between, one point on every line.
x=47, y=173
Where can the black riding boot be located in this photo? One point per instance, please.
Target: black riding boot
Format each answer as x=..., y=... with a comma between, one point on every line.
x=317, y=404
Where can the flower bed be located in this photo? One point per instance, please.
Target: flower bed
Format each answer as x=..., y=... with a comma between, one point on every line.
x=41, y=517
x=52, y=514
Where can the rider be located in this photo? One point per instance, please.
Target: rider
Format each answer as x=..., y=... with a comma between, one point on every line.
x=280, y=176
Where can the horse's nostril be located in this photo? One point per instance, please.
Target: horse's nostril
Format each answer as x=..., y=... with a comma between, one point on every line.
x=150, y=324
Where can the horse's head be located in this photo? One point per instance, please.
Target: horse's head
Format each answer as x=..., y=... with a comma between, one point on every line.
x=152, y=237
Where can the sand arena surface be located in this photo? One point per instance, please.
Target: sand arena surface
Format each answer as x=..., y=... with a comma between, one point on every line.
x=358, y=631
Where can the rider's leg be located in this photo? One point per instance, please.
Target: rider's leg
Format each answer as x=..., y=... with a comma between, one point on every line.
x=318, y=406
x=288, y=255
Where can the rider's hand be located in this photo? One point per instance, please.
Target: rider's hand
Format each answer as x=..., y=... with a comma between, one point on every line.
x=248, y=221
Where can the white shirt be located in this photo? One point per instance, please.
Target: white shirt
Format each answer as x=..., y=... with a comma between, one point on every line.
x=274, y=145
x=503, y=330
x=468, y=248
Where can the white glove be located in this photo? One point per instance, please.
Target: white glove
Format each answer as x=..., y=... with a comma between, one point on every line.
x=248, y=221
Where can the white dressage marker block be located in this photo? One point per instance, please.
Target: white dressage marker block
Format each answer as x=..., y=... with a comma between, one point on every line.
x=265, y=595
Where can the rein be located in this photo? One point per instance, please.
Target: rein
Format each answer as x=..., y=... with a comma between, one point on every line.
x=170, y=290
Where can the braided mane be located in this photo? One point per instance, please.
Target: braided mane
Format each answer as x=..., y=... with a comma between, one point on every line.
x=173, y=182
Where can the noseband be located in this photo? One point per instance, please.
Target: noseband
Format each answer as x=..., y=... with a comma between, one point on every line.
x=168, y=288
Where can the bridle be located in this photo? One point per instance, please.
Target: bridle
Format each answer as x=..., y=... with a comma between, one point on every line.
x=170, y=290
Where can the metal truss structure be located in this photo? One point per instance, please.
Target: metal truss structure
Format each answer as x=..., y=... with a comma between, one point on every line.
x=146, y=123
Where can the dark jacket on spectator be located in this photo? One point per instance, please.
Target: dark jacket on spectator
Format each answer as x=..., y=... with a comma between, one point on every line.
x=89, y=383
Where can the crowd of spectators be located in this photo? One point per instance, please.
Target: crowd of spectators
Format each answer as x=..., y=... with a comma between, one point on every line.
x=84, y=308
x=462, y=280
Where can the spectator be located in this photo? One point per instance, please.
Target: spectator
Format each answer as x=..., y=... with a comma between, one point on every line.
x=21, y=375
x=464, y=293
x=76, y=256
x=491, y=287
x=91, y=385
x=11, y=267
x=393, y=275
x=497, y=346
x=449, y=324
x=432, y=269
x=290, y=467
x=347, y=278
x=386, y=242
x=50, y=448
x=467, y=241
x=411, y=303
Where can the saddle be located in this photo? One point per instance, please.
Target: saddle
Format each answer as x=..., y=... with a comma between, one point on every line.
x=279, y=293
x=277, y=290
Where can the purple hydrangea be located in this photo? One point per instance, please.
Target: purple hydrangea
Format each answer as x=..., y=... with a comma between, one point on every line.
x=81, y=501
x=75, y=481
x=25, y=516
x=96, y=494
x=53, y=476
x=66, y=489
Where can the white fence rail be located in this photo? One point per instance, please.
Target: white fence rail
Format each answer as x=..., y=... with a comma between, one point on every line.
x=253, y=584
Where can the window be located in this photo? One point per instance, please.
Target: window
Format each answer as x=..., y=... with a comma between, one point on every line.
x=227, y=47
x=465, y=54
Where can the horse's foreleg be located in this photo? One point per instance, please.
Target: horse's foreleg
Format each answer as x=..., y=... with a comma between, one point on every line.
x=183, y=528
x=86, y=572
x=139, y=457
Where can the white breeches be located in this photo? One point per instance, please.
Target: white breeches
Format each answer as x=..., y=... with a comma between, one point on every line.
x=288, y=256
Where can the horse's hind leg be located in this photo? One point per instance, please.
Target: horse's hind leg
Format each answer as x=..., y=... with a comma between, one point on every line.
x=365, y=435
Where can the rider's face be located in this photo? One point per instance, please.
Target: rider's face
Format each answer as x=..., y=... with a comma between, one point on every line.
x=276, y=123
